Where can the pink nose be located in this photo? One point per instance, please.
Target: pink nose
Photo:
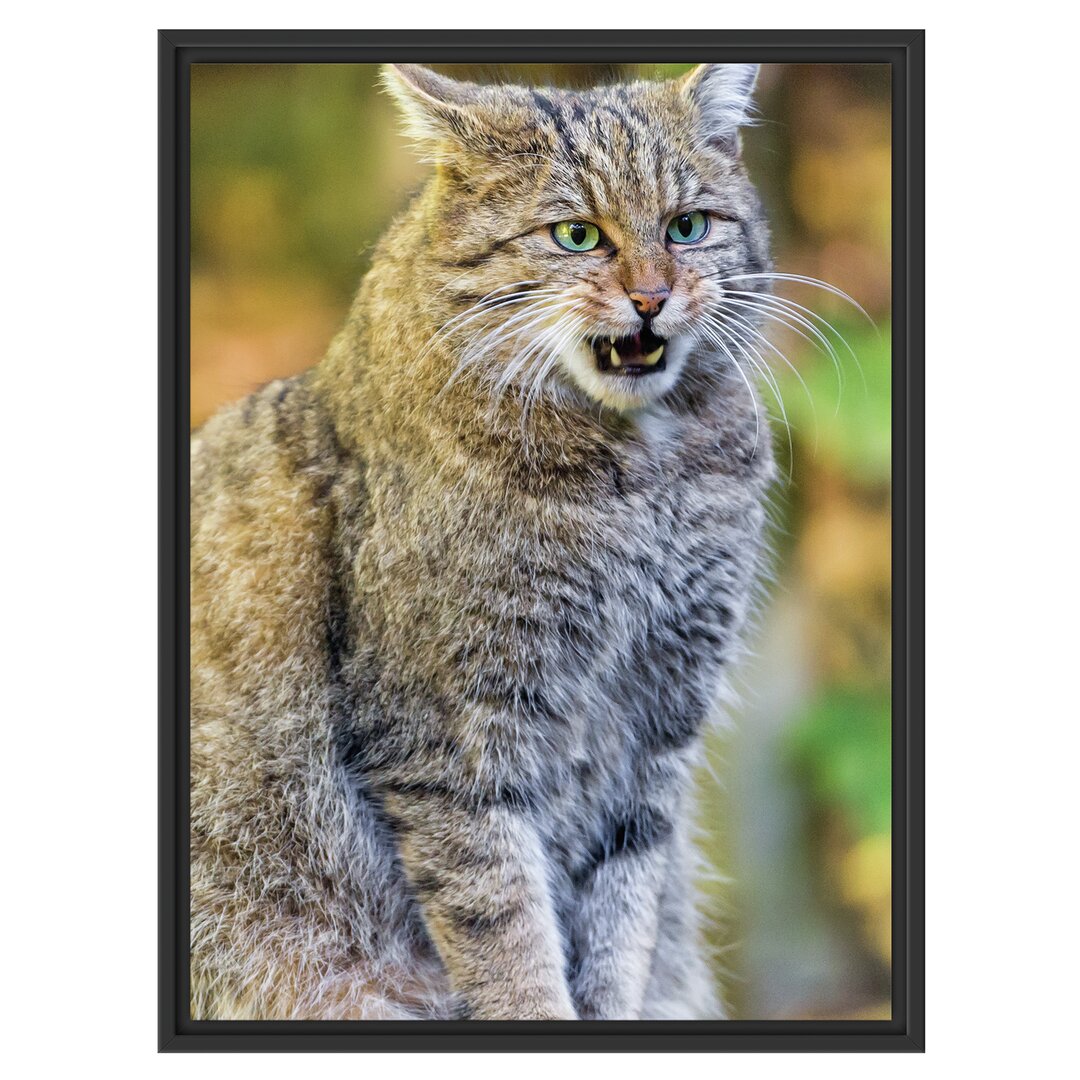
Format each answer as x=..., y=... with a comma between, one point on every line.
x=649, y=303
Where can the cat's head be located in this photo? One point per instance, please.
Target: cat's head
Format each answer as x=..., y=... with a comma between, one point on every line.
x=584, y=237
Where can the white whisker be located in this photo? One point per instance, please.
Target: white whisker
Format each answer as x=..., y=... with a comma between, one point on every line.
x=491, y=302
x=521, y=324
x=788, y=304
x=792, y=321
x=757, y=335
x=719, y=342
x=746, y=345
x=816, y=283
x=762, y=369
x=486, y=346
x=575, y=324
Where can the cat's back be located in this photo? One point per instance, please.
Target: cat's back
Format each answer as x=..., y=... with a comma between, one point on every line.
x=264, y=473
x=283, y=842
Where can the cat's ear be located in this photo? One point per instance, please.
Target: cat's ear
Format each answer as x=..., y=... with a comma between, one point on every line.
x=436, y=109
x=723, y=96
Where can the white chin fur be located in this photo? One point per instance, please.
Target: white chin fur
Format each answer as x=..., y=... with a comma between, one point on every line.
x=623, y=392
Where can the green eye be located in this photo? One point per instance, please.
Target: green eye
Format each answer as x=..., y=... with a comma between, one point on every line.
x=576, y=235
x=688, y=228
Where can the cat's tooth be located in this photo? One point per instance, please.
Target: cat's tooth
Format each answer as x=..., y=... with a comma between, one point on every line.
x=611, y=338
x=653, y=357
x=616, y=360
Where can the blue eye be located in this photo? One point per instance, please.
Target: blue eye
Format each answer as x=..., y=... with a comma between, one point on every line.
x=576, y=235
x=688, y=228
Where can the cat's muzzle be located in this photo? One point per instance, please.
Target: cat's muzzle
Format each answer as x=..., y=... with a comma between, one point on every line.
x=638, y=354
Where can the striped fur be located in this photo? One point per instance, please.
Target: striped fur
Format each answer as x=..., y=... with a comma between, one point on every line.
x=455, y=635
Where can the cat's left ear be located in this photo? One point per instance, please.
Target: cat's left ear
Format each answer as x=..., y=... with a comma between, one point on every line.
x=723, y=96
x=437, y=110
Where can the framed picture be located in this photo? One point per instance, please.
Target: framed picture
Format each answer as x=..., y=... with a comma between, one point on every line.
x=541, y=540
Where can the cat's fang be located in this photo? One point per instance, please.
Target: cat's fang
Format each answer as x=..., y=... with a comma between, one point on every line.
x=653, y=357
x=616, y=360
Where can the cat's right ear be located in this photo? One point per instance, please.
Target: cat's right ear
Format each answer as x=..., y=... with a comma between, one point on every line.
x=437, y=110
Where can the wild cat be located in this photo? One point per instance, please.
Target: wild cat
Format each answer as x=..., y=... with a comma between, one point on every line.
x=463, y=596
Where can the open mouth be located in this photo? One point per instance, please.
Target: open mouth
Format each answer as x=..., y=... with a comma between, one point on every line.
x=639, y=354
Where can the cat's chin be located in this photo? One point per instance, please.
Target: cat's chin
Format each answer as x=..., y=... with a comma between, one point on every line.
x=608, y=378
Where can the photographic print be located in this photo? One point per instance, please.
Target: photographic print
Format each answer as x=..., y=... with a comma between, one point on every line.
x=541, y=518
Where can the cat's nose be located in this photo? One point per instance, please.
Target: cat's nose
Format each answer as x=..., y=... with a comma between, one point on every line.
x=649, y=304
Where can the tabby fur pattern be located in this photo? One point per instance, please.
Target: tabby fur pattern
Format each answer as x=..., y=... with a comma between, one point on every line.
x=462, y=603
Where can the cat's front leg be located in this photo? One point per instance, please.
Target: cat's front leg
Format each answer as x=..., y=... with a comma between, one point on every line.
x=480, y=875
x=615, y=926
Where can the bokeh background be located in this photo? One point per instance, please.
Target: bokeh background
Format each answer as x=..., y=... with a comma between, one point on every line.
x=296, y=171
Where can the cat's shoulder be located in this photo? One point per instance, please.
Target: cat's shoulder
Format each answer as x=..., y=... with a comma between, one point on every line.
x=268, y=472
x=276, y=444
x=266, y=480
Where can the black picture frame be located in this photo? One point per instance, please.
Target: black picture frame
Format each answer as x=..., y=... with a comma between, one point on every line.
x=904, y=51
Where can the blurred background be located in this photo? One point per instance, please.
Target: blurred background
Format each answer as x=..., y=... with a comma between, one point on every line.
x=296, y=171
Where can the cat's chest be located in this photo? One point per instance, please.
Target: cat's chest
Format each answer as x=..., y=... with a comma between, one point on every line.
x=670, y=567
x=593, y=587
x=668, y=554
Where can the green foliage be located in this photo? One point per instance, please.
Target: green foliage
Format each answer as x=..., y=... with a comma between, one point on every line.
x=845, y=418
x=842, y=747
